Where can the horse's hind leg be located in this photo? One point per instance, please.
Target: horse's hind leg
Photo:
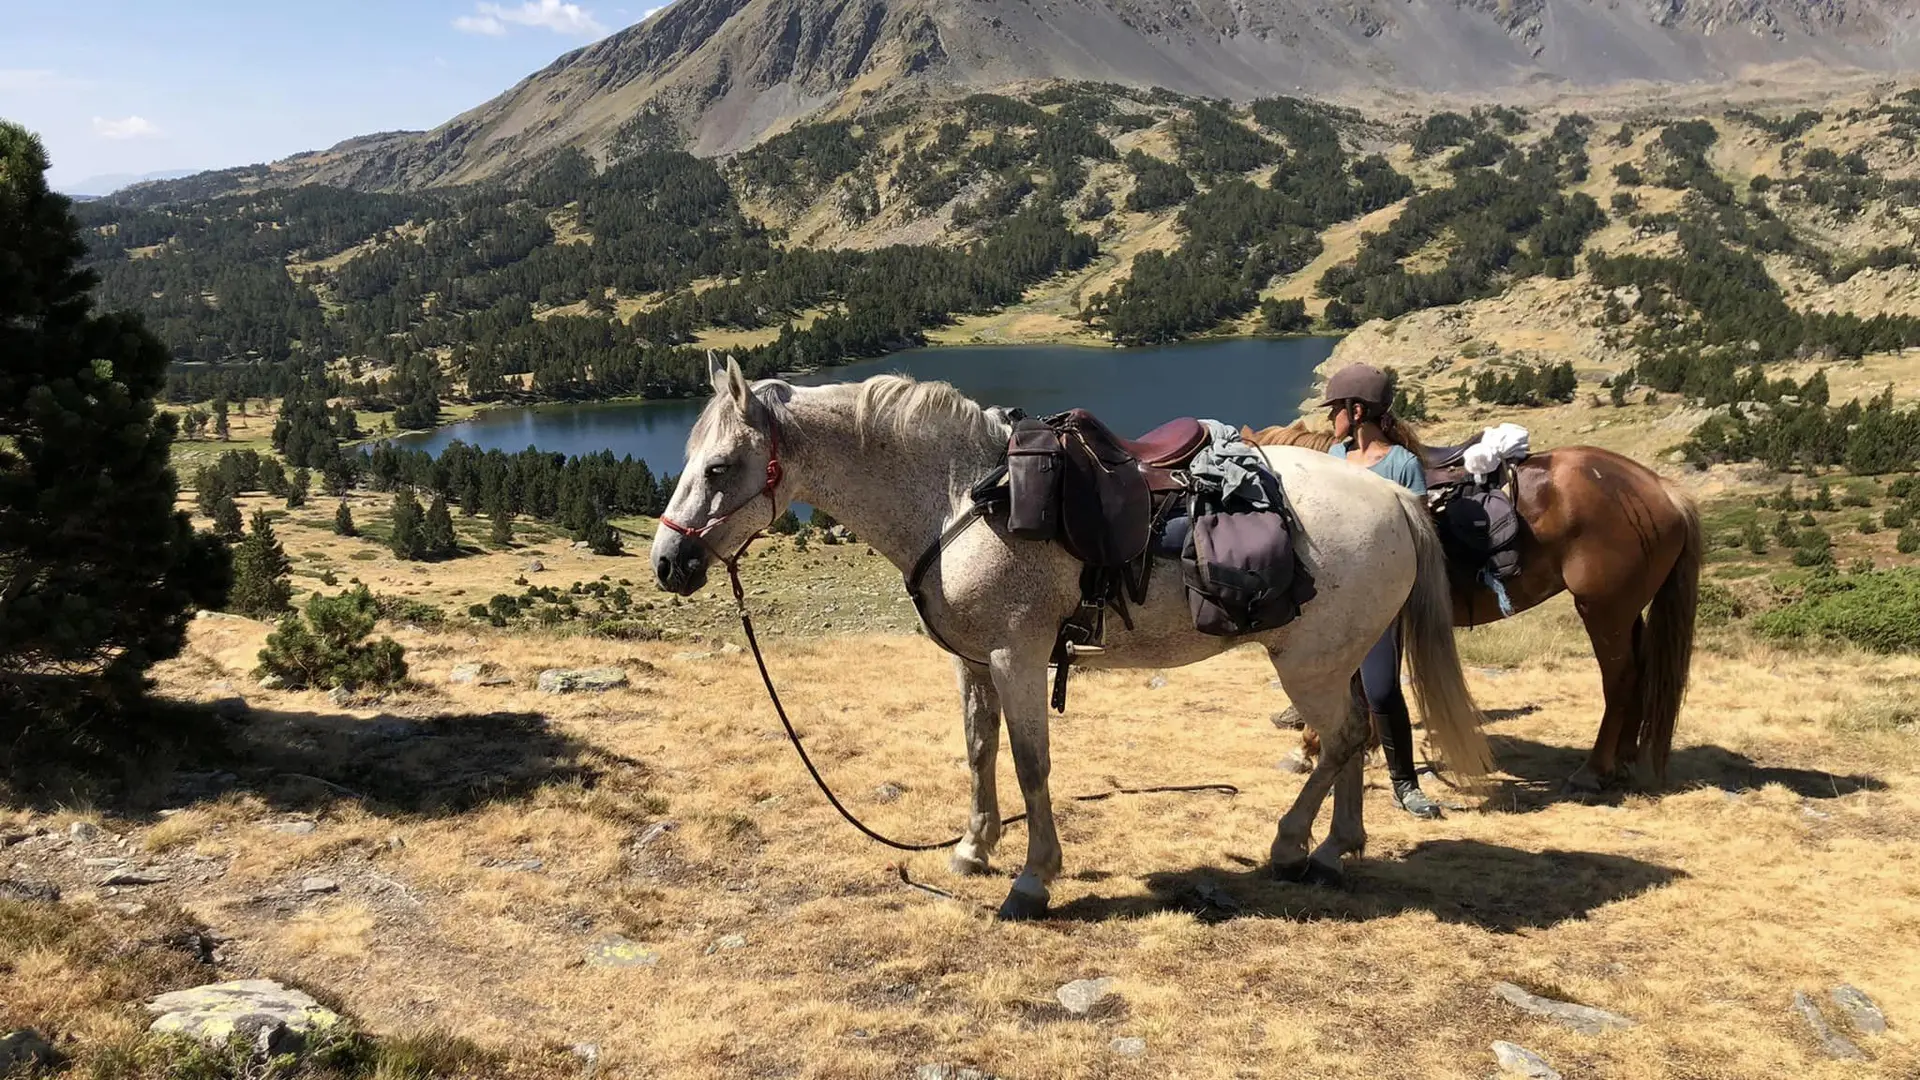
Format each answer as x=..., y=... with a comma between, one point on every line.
x=1324, y=705
x=981, y=704
x=1613, y=634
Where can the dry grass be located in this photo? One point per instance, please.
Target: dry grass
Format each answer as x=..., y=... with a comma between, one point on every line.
x=489, y=852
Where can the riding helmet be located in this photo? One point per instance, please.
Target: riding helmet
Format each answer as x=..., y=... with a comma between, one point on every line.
x=1359, y=382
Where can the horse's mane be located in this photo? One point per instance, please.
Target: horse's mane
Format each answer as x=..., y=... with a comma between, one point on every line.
x=1294, y=434
x=897, y=403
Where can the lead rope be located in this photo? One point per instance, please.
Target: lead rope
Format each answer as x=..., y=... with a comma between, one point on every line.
x=746, y=626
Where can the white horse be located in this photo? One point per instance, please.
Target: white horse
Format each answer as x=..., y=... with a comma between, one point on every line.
x=893, y=459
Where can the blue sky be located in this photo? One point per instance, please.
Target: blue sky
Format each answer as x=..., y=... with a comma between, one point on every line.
x=138, y=86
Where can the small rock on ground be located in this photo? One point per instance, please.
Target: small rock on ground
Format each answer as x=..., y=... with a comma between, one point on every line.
x=135, y=877
x=466, y=673
x=619, y=952
x=1584, y=1019
x=86, y=832
x=950, y=1072
x=1294, y=764
x=251, y=1008
x=1128, y=1047
x=888, y=792
x=319, y=885
x=568, y=681
x=272, y=682
x=1860, y=1009
x=340, y=697
x=26, y=891
x=24, y=1049
x=1520, y=1061
x=1836, y=1046
x=730, y=942
x=1081, y=996
x=291, y=828
x=232, y=707
x=1157, y=682
x=1288, y=719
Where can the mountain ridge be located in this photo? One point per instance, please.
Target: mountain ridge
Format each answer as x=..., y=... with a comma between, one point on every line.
x=721, y=75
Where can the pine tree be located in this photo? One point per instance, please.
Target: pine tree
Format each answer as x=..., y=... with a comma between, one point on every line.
x=1756, y=540
x=98, y=572
x=437, y=532
x=500, y=534
x=343, y=521
x=297, y=488
x=602, y=538
x=261, y=588
x=409, y=539
x=227, y=523
x=1783, y=531
x=220, y=426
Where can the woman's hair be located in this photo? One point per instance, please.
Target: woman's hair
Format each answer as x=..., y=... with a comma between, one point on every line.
x=1394, y=429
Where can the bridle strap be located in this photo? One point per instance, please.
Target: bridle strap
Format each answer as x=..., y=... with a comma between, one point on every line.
x=775, y=473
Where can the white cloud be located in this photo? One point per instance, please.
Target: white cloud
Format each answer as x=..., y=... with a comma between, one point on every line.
x=131, y=127
x=561, y=18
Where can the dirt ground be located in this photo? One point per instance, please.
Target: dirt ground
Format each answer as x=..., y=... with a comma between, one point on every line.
x=483, y=840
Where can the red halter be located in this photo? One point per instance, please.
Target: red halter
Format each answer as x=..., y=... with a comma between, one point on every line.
x=699, y=535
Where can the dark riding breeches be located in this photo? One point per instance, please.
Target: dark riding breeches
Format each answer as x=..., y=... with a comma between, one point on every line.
x=1380, y=678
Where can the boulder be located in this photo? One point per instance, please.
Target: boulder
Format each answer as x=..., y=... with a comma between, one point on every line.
x=85, y=832
x=23, y=1050
x=1128, y=1047
x=265, y=1013
x=579, y=680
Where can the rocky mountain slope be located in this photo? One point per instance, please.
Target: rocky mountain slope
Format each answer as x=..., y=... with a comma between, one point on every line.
x=726, y=73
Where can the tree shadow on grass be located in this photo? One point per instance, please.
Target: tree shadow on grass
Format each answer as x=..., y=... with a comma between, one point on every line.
x=395, y=766
x=1497, y=888
x=1541, y=770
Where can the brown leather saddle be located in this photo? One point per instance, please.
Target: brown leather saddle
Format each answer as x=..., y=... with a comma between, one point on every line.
x=1108, y=484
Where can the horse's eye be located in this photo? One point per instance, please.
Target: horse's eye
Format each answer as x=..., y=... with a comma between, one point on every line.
x=718, y=469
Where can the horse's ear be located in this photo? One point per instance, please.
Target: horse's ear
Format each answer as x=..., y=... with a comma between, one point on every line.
x=736, y=382
x=716, y=371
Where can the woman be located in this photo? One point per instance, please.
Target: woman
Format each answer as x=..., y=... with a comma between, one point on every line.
x=1360, y=407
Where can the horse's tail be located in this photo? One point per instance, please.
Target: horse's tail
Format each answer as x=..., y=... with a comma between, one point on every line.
x=1426, y=632
x=1665, y=652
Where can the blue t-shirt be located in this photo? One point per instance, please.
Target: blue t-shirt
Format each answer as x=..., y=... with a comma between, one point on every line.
x=1399, y=466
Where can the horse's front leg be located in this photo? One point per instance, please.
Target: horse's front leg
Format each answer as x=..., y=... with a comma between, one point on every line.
x=980, y=703
x=1020, y=676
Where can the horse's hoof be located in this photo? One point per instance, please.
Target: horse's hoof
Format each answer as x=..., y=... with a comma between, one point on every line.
x=969, y=865
x=1583, y=782
x=1311, y=872
x=1021, y=907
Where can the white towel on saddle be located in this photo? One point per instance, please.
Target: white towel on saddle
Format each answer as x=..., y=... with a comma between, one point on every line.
x=1508, y=442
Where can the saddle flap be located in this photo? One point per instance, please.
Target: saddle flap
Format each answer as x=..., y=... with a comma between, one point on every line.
x=1106, y=506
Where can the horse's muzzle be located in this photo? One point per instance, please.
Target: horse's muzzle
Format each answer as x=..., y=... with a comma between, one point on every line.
x=679, y=564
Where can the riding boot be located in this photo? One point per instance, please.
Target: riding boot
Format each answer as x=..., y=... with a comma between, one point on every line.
x=1396, y=743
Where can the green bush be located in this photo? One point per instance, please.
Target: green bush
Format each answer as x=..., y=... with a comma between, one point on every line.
x=1718, y=605
x=401, y=609
x=1895, y=517
x=1878, y=611
x=327, y=647
x=1908, y=541
x=1868, y=526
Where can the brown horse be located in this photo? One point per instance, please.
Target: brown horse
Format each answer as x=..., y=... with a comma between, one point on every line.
x=1611, y=532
